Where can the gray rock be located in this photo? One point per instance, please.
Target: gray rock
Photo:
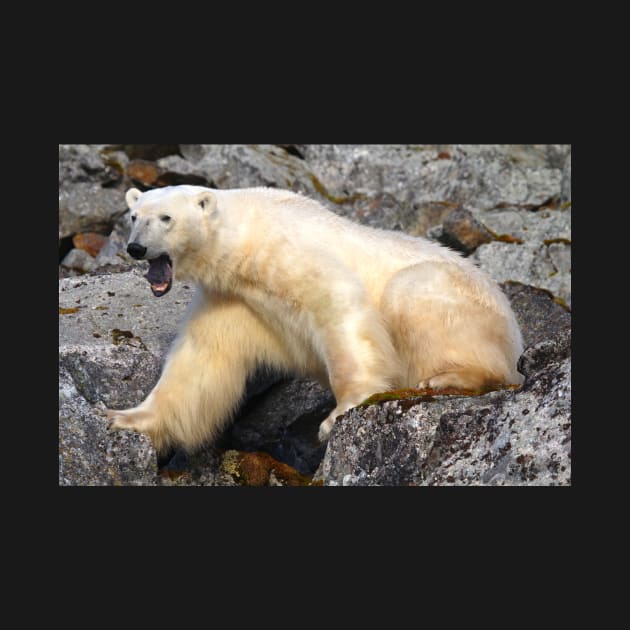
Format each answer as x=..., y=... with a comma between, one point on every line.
x=542, y=258
x=486, y=180
x=560, y=256
x=284, y=421
x=176, y=171
x=508, y=437
x=556, y=154
x=566, y=180
x=483, y=177
x=370, y=169
x=89, y=196
x=78, y=260
x=118, y=376
x=113, y=255
x=243, y=166
x=538, y=313
x=88, y=208
x=378, y=211
x=527, y=263
x=528, y=226
x=120, y=301
x=89, y=455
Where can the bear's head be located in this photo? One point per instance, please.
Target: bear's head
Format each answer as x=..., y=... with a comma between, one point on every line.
x=167, y=224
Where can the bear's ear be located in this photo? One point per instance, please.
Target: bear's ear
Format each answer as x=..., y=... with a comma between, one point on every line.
x=206, y=201
x=132, y=196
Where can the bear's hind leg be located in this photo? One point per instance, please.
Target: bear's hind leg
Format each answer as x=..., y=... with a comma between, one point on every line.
x=464, y=378
x=361, y=361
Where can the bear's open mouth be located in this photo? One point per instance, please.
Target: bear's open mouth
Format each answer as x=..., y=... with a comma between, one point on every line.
x=160, y=275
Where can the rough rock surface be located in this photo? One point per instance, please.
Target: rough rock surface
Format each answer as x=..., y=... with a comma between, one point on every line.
x=283, y=421
x=539, y=315
x=485, y=176
x=89, y=198
x=89, y=455
x=120, y=301
x=504, y=437
x=537, y=265
x=113, y=334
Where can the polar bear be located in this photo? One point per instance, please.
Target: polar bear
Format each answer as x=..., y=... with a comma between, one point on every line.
x=285, y=283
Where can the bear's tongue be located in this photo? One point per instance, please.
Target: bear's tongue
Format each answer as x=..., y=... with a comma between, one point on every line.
x=160, y=275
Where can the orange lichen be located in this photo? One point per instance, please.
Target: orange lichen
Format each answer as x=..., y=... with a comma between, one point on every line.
x=427, y=394
x=254, y=469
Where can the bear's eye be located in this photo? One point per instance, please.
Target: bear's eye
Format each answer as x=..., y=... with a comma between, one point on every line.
x=165, y=218
x=133, y=218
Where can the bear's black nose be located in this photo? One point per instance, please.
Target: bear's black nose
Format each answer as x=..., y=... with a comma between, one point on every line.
x=136, y=250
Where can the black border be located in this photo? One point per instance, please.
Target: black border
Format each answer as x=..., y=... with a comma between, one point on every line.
x=376, y=111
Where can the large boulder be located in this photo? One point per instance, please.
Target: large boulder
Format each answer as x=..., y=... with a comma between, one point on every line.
x=506, y=437
x=484, y=176
x=89, y=455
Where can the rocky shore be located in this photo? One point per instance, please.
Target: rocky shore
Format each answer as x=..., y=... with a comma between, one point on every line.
x=507, y=207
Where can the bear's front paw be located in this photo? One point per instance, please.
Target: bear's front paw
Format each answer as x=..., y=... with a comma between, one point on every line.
x=118, y=419
x=114, y=420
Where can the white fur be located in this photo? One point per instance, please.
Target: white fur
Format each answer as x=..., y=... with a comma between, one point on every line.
x=284, y=282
